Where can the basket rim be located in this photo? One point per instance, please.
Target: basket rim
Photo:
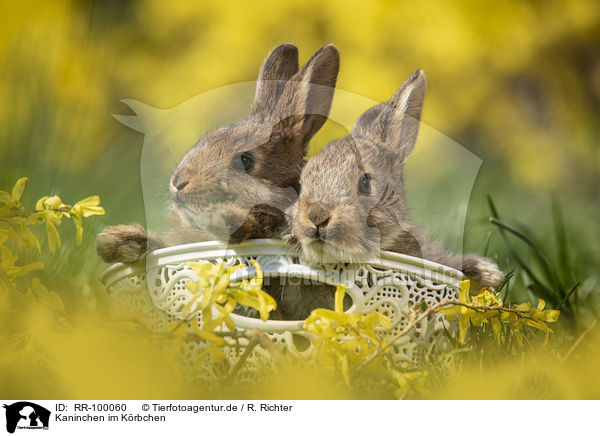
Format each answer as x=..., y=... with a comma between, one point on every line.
x=160, y=257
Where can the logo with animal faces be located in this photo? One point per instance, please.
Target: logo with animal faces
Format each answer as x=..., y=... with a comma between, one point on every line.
x=24, y=415
x=241, y=178
x=169, y=133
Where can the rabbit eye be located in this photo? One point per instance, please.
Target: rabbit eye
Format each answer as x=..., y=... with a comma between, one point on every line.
x=364, y=184
x=243, y=161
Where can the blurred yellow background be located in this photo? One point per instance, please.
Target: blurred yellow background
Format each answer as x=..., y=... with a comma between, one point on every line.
x=516, y=82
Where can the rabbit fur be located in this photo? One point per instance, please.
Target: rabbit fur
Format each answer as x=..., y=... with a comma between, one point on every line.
x=236, y=181
x=352, y=202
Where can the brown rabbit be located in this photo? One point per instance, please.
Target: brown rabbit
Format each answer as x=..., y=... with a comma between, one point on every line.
x=234, y=183
x=352, y=198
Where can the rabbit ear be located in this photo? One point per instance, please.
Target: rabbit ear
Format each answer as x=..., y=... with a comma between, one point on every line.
x=397, y=126
x=306, y=99
x=362, y=127
x=138, y=122
x=280, y=65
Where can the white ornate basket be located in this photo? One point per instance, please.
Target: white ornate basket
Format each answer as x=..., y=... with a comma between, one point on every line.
x=156, y=295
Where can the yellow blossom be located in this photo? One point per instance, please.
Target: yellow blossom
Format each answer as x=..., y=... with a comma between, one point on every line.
x=18, y=189
x=87, y=207
x=12, y=200
x=9, y=267
x=487, y=307
x=345, y=339
x=84, y=208
x=213, y=291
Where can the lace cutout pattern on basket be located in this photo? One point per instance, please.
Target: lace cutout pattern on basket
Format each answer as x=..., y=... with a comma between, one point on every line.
x=157, y=296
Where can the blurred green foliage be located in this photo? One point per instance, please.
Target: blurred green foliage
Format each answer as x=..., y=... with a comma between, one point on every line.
x=517, y=83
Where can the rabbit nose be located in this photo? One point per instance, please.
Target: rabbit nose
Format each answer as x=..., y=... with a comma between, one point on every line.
x=318, y=216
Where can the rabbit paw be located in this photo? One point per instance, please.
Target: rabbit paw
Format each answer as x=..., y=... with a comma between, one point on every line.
x=485, y=271
x=234, y=225
x=122, y=243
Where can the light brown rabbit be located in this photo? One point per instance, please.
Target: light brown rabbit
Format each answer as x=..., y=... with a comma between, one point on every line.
x=352, y=198
x=236, y=181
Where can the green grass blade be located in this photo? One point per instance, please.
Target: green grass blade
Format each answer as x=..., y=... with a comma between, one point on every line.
x=561, y=240
x=492, y=206
x=566, y=297
x=546, y=264
x=545, y=292
x=487, y=244
x=505, y=280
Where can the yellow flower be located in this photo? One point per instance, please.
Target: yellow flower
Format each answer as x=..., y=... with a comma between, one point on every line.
x=12, y=199
x=12, y=271
x=544, y=315
x=5, y=198
x=463, y=297
x=345, y=339
x=466, y=314
x=487, y=307
x=50, y=202
x=19, y=226
x=87, y=207
x=6, y=234
x=53, y=237
x=213, y=290
x=536, y=318
x=84, y=208
x=17, y=190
